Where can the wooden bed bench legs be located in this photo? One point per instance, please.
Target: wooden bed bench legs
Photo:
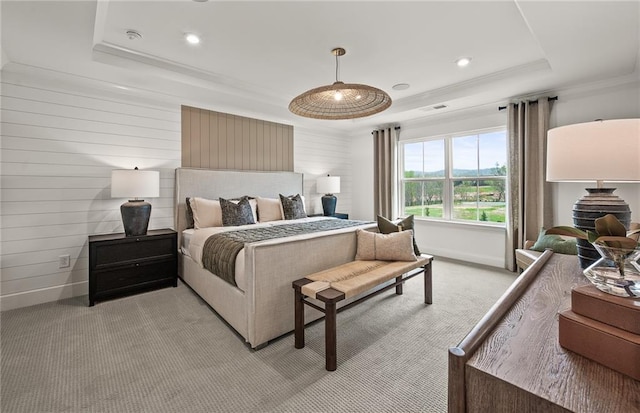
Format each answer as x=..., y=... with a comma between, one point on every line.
x=331, y=297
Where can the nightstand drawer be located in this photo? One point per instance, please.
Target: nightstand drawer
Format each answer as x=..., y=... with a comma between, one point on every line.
x=121, y=265
x=114, y=253
x=135, y=274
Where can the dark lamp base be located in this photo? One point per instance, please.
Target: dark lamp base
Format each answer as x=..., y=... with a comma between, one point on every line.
x=597, y=203
x=135, y=217
x=329, y=205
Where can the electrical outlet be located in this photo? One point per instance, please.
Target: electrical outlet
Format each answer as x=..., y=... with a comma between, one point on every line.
x=64, y=261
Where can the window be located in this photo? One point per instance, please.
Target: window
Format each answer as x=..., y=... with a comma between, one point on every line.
x=456, y=177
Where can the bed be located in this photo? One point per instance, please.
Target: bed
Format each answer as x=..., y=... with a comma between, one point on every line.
x=260, y=307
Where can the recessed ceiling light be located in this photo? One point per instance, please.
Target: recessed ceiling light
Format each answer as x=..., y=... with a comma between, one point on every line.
x=400, y=86
x=192, y=38
x=463, y=61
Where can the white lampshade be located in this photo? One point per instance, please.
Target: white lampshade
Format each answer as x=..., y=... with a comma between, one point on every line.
x=606, y=150
x=328, y=185
x=134, y=183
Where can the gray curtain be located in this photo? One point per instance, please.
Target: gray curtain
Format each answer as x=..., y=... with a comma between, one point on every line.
x=384, y=171
x=529, y=204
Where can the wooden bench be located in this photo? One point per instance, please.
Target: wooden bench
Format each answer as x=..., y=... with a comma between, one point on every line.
x=349, y=280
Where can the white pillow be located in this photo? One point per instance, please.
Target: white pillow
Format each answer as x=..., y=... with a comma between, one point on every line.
x=269, y=209
x=206, y=213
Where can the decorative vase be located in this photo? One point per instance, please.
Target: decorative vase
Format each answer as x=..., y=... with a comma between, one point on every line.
x=597, y=203
x=617, y=271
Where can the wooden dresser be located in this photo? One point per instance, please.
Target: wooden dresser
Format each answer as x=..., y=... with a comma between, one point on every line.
x=512, y=361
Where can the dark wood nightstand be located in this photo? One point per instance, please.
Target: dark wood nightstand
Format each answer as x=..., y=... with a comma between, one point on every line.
x=121, y=265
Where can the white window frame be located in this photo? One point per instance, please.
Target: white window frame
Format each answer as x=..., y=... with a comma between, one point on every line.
x=447, y=196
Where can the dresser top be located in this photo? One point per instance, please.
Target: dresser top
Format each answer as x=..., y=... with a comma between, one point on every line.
x=524, y=349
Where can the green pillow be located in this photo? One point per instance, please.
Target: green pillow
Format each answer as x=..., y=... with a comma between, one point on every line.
x=556, y=243
x=387, y=227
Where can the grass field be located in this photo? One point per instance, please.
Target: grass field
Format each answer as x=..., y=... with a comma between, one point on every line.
x=495, y=211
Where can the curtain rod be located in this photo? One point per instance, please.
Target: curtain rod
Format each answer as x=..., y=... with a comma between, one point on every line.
x=396, y=128
x=551, y=99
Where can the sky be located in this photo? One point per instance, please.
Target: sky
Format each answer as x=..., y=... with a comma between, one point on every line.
x=492, y=148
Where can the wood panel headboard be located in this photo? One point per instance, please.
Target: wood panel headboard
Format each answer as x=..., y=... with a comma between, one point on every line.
x=213, y=184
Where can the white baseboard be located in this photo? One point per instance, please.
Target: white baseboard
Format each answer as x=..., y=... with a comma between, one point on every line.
x=466, y=256
x=43, y=295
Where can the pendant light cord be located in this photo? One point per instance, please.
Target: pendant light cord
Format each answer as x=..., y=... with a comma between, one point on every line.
x=337, y=67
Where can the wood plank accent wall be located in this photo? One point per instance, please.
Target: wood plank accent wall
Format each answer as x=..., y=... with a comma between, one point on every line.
x=214, y=140
x=58, y=148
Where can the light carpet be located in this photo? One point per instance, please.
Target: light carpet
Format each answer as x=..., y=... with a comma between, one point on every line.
x=167, y=351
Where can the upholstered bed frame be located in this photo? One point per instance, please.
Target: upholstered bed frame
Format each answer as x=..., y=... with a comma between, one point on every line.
x=265, y=310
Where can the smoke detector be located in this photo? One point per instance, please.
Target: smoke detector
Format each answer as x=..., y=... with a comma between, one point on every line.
x=133, y=34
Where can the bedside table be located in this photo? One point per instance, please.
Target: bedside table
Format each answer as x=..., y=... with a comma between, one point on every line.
x=121, y=265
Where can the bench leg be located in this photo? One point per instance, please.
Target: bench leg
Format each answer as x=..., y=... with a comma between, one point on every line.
x=399, y=286
x=299, y=319
x=428, y=288
x=330, y=336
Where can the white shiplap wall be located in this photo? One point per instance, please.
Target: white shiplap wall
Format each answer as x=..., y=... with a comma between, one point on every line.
x=58, y=150
x=59, y=143
x=317, y=155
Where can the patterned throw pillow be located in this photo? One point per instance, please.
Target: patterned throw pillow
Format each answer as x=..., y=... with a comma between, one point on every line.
x=386, y=227
x=395, y=246
x=292, y=207
x=190, y=222
x=234, y=214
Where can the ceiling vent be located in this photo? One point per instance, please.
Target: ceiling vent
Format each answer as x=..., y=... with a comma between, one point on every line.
x=430, y=108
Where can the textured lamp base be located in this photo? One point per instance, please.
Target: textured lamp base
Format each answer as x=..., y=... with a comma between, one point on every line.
x=329, y=205
x=597, y=203
x=135, y=217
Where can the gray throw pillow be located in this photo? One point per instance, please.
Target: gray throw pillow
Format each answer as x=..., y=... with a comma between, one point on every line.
x=234, y=214
x=386, y=227
x=292, y=206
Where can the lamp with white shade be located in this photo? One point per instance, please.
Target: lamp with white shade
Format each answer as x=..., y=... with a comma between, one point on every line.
x=328, y=185
x=599, y=151
x=135, y=184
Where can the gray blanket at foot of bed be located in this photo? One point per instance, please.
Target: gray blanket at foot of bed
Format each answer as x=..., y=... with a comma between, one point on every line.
x=220, y=250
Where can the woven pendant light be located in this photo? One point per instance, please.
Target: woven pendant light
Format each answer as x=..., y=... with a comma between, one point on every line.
x=340, y=100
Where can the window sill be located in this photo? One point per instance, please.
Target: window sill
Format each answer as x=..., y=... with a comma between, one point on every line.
x=478, y=225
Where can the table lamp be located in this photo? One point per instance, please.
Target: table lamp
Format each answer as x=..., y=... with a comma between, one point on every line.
x=602, y=150
x=328, y=185
x=136, y=184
